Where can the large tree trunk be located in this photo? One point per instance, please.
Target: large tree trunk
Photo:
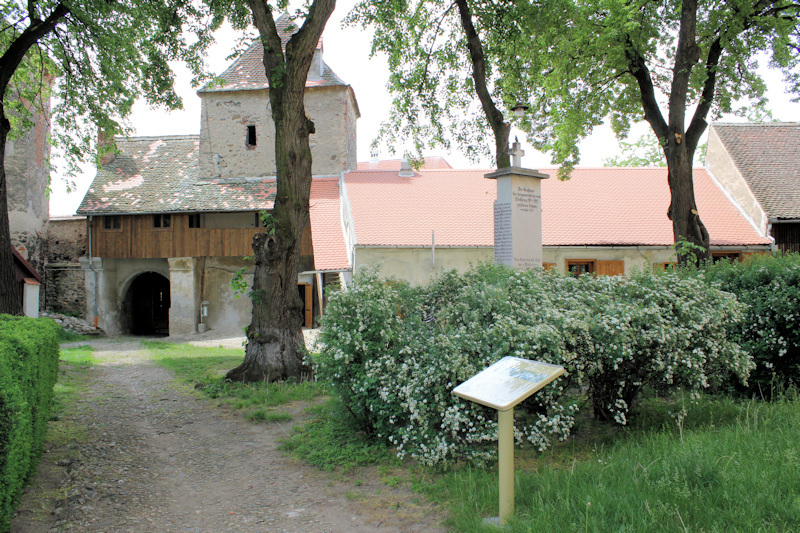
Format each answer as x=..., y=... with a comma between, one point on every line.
x=683, y=211
x=679, y=143
x=10, y=302
x=275, y=347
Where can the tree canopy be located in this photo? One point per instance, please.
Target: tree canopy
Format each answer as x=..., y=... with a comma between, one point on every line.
x=673, y=63
x=102, y=55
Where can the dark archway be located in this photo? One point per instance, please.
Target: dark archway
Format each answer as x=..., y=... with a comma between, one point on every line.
x=147, y=305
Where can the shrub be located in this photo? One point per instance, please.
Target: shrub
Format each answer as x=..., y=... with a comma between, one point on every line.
x=393, y=353
x=28, y=371
x=659, y=331
x=770, y=330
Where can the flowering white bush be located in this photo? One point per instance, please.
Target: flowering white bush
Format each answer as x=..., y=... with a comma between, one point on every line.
x=770, y=330
x=393, y=352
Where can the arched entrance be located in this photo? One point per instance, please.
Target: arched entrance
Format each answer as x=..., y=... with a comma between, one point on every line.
x=147, y=305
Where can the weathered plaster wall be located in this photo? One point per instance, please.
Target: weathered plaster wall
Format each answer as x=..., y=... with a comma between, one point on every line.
x=415, y=265
x=721, y=167
x=184, y=307
x=351, y=130
x=634, y=257
x=226, y=312
x=418, y=265
x=26, y=165
x=112, y=279
x=223, y=132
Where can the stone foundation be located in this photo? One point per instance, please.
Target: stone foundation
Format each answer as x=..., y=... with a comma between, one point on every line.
x=65, y=288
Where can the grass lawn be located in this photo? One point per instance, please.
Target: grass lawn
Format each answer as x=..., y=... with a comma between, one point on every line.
x=732, y=467
x=729, y=466
x=205, y=368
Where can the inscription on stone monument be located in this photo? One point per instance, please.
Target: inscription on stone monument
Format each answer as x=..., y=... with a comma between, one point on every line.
x=503, y=251
x=526, y=199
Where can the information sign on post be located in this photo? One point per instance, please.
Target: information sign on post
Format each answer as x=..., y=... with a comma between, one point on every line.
x=502, y=386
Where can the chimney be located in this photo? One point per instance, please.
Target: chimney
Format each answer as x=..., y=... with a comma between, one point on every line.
x=405, y=169
x=106, y=148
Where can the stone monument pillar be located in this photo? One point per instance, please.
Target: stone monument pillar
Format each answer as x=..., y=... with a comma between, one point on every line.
x=518, y=214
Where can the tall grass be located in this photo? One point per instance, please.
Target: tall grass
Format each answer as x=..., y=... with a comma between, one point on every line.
x=737, y=473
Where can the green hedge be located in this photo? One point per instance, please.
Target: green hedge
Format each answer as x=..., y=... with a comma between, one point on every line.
x=28, y=372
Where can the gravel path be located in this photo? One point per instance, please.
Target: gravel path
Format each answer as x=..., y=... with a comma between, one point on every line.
x=161, y=458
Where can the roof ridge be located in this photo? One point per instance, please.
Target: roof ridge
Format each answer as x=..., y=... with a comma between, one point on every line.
x=755, y=124
x=156, y=137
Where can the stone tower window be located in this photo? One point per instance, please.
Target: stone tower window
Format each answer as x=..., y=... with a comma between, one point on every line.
x=251, y=136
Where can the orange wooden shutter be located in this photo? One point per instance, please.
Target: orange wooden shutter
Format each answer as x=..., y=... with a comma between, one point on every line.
x=309, y=316
x=610, y=268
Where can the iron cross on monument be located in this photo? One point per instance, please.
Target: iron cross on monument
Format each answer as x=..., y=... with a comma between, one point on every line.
x=518, y=213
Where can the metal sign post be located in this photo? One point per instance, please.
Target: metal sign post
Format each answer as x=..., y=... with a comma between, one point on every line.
x=502, y=386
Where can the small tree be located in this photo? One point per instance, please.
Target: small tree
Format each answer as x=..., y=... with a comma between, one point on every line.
x=105, y=55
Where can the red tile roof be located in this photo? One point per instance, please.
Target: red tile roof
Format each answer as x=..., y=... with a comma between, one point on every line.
x=396, y=211
x=431, y=163
x=628, y=206
x=768, y=157
x=600, y=206
x=327, y=236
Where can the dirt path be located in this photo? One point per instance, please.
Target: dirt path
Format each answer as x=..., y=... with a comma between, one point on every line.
x=159, y=458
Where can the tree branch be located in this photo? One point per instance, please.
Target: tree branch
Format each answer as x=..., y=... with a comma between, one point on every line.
x=687, y=53
x=500, y=128
x=301, y=47
x=638, y=69
x=13, y=55
x=270, y=40
x=698, y=124
x=433, y=41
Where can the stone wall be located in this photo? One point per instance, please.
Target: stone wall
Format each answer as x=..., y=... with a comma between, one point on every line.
x=226, y=115
x=65, y=284
x=65, y=289
x=66, y=239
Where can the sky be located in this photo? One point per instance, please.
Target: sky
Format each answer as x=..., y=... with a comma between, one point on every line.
x=347, y=52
